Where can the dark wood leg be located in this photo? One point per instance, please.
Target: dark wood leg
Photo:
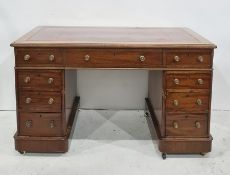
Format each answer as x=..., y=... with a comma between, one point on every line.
x=164, y=156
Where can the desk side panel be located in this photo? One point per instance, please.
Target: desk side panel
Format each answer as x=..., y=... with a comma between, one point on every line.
x=70, y=91
x=155, y=95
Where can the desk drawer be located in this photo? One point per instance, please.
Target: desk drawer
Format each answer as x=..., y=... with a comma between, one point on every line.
x=187, y=101
x=188, y=59
x=111, y=58
x=189, y=125
x=188, y=80
x=40, y=101
x=140, y=58
x=40, y=124
x=38, y=57
x=40, y=80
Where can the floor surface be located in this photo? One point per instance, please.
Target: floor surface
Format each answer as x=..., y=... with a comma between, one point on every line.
x=109, y=142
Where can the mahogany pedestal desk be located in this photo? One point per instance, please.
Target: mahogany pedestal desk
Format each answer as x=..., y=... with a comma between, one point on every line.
x=179, y=62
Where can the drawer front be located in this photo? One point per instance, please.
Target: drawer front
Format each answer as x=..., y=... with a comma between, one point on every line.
x=38, y=57
x=40, y=124
x=111, y=58
x=188, y=59
x=143, y=58
x=187, y=102
x=40, y=101
x=191, y=80
x=187, y=125
x=40, y=80
x=84, y=58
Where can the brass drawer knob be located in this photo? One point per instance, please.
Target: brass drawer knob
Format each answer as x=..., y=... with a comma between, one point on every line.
x=26, y=79
x=142, y=58
x=176, y=58
x=28, y=100
x=197, y=124
x=176, y=81
x=199, y=102
x=175, y=103
x=50, y=80
x=28, y=123
x=200, y=59
x=175, y=125
x=200, y=81
x=87, y=58
x=50, y=101
x=27, y=57
x=52, y=124
x=51, y=58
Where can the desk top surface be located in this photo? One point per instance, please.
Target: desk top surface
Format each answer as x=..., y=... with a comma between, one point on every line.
x=112, y=37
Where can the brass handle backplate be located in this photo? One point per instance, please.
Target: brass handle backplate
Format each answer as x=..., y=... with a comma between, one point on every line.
x=50, y=80
x=200, y=81
x=176, y=81
x=27, y=57
x=199, y=102
x=175, y=125
x=175, y=103
x=28, y=100
x=50, y=101
x=176, y=58
x=51, y=58
x=142, y=58
x=200, y=59
x=197, y=124
x=26, y=79
x=87, y=58
x=28, y=123
x=52, y=124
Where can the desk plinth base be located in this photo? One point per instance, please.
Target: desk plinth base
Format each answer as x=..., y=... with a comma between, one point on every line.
x=48, y=144
x=177, y=145
x=41, y=144
x=185, y=145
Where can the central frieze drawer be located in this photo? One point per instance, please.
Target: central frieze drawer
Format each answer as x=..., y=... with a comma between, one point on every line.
x=40, y=101
x=40, y=80
x=187, y=101
x=27, y=57
x=40, y=124
x=113, y=58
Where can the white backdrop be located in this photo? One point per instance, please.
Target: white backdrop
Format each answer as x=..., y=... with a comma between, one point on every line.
x=208, y=17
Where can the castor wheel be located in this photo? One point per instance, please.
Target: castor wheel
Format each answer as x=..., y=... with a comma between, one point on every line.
x=164, y=155
x=202, y=154
x=22, y=152
x=146, y=114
